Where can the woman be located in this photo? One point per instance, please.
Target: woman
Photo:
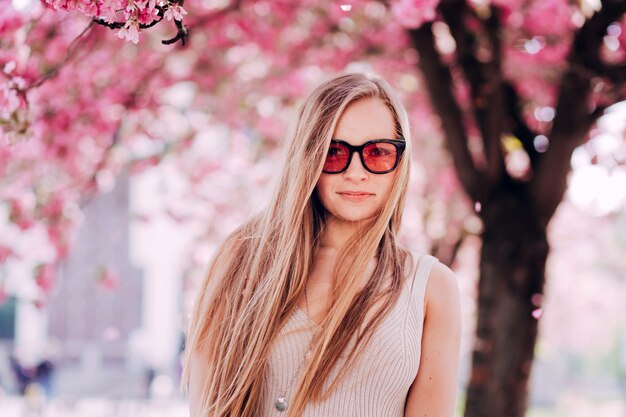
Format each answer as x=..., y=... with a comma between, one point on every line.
x=312, y=308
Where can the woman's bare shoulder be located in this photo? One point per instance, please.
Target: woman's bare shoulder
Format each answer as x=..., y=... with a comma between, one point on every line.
x=442, y=288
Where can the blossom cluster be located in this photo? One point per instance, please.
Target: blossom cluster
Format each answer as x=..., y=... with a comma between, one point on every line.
x=85, y=107
x=414, y=13
x=134, y=14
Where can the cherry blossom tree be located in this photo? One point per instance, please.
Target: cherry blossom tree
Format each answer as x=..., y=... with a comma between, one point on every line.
x=509, y=88
x=516, y=188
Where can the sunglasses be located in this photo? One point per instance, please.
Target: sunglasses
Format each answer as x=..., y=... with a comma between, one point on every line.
x=378, y=156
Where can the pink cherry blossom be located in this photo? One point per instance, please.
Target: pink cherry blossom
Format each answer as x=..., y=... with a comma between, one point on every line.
x=45, y=276
x=5, y=253
x=508, y=4
x=9, y=101
x=175, y=12
x=549, y=17
x=20, y=215
x=10, y=20
x=131, y=12
x=90, y=8
x=414, y=13
x=148, y=13
x=129, y=32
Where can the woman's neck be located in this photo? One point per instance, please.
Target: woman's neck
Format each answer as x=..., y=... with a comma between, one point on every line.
x=336, y=233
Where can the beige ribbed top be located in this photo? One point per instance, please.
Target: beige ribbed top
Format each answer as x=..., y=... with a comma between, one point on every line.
x=378, y=384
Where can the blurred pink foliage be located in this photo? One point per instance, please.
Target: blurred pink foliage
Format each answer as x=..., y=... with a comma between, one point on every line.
x=551, y=17
x=45, y=276
x=413, y=13
x=78, y=105
x=584, y=297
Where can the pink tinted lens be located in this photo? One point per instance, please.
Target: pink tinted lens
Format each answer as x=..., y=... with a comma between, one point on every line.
x=336, y=158
x=380, y=157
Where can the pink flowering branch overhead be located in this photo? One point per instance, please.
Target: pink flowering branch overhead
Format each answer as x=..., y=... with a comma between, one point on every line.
x=506, y=65
x=130, y=17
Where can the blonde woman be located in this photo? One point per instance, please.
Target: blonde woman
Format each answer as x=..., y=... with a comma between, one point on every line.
x=313, y=308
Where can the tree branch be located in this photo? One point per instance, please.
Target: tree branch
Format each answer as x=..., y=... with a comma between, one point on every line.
x=616, y=73
x=519, y=127
x=71, y=50
x=573, y=118
x=203, y=20
x=589, y=43
x=87, y=189
x=182, y=31
x=182, y=34
x=439, y=86
x=485, y=79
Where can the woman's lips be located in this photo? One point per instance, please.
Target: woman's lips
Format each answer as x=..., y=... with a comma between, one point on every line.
x=354, y=195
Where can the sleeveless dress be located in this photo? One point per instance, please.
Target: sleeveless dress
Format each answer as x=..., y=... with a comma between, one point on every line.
x=378, y=383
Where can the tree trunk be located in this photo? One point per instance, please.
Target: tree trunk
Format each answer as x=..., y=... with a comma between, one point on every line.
x=515, y=214
x=512, y=275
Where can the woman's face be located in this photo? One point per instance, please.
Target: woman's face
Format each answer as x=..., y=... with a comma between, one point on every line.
x=356, y=194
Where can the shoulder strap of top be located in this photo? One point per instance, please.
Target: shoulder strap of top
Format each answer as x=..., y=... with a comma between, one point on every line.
x=424, y=264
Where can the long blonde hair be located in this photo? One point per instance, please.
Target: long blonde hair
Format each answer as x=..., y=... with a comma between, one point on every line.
x=258, y=275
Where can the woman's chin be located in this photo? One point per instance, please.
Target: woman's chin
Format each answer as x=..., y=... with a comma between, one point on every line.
x=354, y=217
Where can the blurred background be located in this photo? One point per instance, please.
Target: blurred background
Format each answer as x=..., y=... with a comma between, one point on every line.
x=135, y=135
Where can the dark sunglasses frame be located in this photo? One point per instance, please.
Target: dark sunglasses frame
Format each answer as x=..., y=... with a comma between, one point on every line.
x=399, y=144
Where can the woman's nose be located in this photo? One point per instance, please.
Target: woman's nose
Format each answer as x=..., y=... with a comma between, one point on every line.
x=356, y=171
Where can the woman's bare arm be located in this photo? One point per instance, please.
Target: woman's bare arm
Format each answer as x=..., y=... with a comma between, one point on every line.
x=433, y=393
